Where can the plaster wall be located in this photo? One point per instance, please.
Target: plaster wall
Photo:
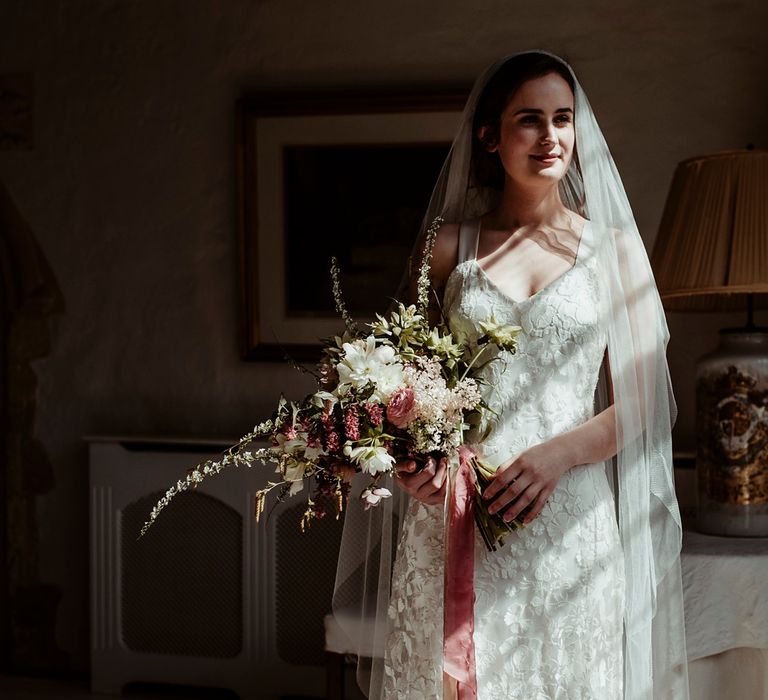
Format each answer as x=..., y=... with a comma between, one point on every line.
x=130, y=188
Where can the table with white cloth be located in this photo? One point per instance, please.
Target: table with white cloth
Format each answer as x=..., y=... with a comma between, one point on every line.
x=725, y=589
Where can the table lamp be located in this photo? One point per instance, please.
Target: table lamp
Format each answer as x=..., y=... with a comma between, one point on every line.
x=711, y=254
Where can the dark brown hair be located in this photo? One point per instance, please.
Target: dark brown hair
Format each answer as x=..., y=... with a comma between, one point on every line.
x=487, y=168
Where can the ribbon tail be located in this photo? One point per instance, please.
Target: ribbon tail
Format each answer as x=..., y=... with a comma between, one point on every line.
x=459, y=596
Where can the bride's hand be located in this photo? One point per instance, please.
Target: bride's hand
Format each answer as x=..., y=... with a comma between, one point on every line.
x=426, y=485
x=529, y=478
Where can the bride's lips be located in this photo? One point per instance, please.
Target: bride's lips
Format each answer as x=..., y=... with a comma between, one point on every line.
x=546, y=159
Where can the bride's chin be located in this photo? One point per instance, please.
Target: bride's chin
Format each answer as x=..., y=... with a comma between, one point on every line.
x=546, y=168
x=548, y=176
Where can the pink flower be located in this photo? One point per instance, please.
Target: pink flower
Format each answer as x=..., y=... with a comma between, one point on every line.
x=351, y=424
x=375, y=414
x=332, y=443
x=372, y=496
x=400, y=407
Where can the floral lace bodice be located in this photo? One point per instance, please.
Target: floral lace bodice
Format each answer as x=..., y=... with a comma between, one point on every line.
x=549, y=604
x=547, y=386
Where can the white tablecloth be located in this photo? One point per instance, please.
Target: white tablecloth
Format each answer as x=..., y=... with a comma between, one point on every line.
x=736, y=674
x=725, y=587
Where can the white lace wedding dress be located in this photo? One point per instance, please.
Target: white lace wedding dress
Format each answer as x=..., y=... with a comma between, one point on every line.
x=549, y=603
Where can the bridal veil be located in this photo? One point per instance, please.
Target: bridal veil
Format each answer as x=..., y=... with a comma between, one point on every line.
x=641, y=475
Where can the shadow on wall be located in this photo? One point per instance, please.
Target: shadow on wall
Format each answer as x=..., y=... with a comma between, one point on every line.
x=29, y=295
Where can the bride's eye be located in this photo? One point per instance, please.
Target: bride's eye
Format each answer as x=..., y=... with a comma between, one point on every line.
x=563, y=119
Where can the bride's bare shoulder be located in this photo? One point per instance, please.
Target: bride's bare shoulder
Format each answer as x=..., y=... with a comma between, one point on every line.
x=446, y=250
x=444, y=253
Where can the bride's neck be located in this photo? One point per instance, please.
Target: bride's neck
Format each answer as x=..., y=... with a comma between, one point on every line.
x=521, y=207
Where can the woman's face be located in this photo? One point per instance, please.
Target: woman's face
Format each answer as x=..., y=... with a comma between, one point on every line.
x=536, y=135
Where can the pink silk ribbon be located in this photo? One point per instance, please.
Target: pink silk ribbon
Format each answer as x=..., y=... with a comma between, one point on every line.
x=459, y=596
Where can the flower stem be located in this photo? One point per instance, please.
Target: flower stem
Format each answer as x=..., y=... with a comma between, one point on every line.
x=474, y=359
x=492, y=526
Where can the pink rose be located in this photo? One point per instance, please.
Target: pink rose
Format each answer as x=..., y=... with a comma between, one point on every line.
x=400, y=407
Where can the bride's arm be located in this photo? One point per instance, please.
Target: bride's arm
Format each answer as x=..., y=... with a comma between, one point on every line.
x=593, y=441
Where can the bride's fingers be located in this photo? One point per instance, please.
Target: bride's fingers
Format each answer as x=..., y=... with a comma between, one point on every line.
x=520, y=505
x=501, y=480
x=432, y=492
x=541, y=501
x=426, y=485
x=428, y=492
x=440, y=473
x=413, y=482
x=407, y=466
x=510, y=494
x=433, y=486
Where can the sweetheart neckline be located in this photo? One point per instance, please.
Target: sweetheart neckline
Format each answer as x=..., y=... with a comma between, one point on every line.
x=519, y=302
x=553, y=283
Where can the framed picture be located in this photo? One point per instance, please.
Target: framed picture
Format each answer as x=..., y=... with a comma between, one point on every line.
x=322, y=176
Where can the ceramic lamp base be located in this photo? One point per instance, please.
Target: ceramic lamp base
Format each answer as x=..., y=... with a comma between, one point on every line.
x=732, y=435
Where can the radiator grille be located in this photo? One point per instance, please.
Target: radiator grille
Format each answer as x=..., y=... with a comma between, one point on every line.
x=305, y=574
x=182, y=581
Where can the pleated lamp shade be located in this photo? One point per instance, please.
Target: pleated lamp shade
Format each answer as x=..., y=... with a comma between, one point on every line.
x=712, y=246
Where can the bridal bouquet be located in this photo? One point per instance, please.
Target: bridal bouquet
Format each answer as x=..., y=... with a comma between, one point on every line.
x=401, y=389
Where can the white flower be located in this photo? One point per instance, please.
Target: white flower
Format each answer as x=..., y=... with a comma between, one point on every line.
x=501, y=334
x=372, y=497
x=292, y=445
x=298, y=446
x=364, y=362
x=294, y=474
x=371, y=460
x=312, y=453
x=388, y=380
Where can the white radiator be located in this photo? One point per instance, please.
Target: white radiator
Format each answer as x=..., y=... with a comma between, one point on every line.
x=207, y=597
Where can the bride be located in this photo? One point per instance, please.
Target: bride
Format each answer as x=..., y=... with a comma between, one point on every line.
x=585, y=601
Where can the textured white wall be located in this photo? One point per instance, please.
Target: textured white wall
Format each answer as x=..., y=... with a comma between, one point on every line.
x=130, y=188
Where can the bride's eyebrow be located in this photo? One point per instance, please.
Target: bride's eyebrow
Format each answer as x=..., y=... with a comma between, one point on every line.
x=531, y=110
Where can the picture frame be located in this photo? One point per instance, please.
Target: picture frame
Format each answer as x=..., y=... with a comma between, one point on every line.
x=329, y=174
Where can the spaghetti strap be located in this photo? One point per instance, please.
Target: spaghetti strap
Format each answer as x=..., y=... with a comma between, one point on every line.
x=468, y=238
